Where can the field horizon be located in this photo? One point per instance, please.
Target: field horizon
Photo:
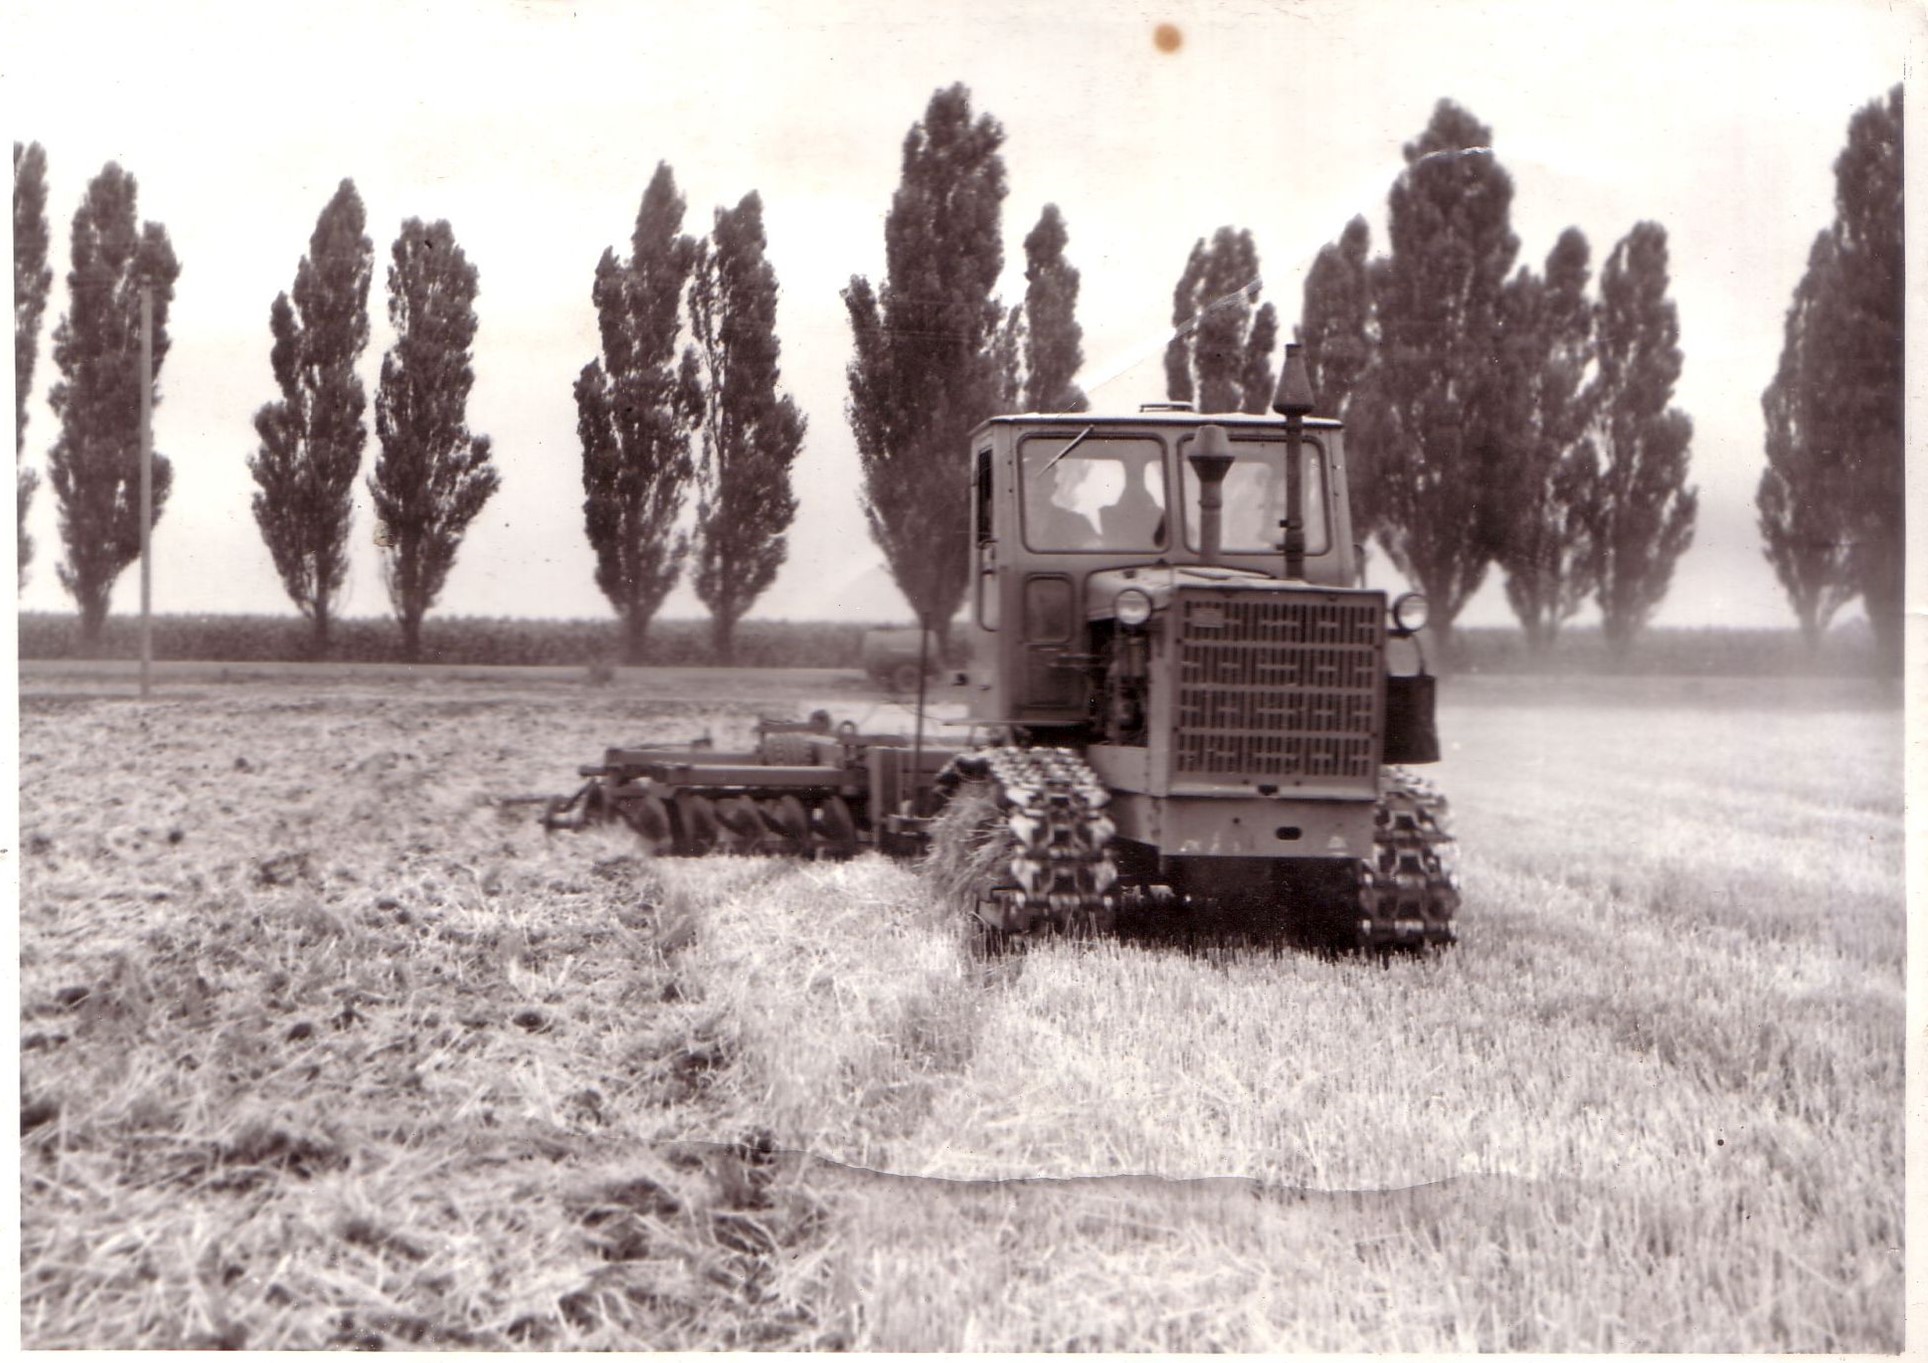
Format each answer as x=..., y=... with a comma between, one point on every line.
x=683, y=641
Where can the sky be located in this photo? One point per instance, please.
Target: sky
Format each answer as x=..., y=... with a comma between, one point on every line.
x=534, y=125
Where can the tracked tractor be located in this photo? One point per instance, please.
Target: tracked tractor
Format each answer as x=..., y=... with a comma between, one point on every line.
x=1184, y=710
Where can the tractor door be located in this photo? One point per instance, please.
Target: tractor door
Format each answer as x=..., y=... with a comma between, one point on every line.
x=1050, y=629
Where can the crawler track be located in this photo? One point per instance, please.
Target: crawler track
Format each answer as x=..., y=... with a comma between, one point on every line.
x=1409, y=891
x=1051, y=866
x=1043, y=851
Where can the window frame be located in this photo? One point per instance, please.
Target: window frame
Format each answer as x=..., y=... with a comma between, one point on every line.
x=1160, y=545
x=1311, y=447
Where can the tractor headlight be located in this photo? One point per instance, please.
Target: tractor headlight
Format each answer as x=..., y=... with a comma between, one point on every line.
x=1132, y=607
x=1409, y=613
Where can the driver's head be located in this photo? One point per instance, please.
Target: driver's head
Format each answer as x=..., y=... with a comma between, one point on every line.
x=1064, y=482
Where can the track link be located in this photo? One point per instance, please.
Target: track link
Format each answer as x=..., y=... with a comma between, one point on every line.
x=1409, y=891
x=1054, y=868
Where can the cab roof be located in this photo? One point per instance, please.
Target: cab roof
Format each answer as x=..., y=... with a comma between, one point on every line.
x=1161, y=417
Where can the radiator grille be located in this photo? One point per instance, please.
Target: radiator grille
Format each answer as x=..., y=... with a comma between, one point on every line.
x=1278, y=686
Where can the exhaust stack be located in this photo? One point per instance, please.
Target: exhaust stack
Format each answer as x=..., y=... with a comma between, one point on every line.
x=1293, y=401
x=1211, y=459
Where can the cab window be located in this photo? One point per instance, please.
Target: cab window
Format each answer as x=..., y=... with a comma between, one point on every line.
x=1093, y=492
x=1254, y=496
x=983, y=499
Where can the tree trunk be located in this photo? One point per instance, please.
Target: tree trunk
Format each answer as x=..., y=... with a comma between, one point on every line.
x=319, y=644
x=1445, y=643
x=1809, y=616
x=411, y=635
x=93, y=617
x=723, y=638
x=635, y=631
x=1619, y=634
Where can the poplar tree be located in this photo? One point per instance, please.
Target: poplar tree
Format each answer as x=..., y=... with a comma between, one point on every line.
x=926, y=367
x=31, y=279
x=312, y=437
x=1007, y=361
x=750, y=431
x=1053, y=341
x=637, y=408
x=1336, y=334
x=1220, y=354
x=1643, y=514
x=1438, y=438
x=1803, y=509
x=432, y=477
x=1550, y=482
x=1857, y=369
x=1831, y=501
x=95, y=464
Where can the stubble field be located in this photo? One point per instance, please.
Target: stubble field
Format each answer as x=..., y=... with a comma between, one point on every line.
x=319, y=1048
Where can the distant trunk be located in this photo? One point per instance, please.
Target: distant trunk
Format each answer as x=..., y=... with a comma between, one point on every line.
x=1619, y=633
x=723, y=638
x=93, y=618
x=1809, y=616
x=319, y=645
x=406, y=593
x=1446, y=643
x=411, y=634
x=1544, y=634
x=635, y=633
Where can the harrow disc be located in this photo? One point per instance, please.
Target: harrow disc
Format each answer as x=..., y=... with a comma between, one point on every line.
x=742, y=823
x=696, y=818
x=649, y=816
x=837, y=828
x=786, y=817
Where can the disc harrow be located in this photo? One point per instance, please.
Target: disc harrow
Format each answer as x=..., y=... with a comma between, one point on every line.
x=696, y=820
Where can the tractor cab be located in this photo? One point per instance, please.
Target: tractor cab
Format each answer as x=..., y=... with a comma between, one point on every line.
x=1077, y=516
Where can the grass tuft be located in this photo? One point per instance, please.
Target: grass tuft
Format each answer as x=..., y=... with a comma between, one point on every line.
x=968, y=849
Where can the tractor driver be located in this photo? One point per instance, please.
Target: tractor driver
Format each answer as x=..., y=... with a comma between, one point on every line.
x=1054, y=520
x=1137, y=519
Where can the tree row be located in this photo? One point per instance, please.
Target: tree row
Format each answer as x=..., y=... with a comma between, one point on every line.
x=1498, y=416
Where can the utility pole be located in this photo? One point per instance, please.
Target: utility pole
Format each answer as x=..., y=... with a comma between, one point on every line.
x=147, y=481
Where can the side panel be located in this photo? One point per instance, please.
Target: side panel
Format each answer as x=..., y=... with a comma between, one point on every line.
x=1122, y=768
